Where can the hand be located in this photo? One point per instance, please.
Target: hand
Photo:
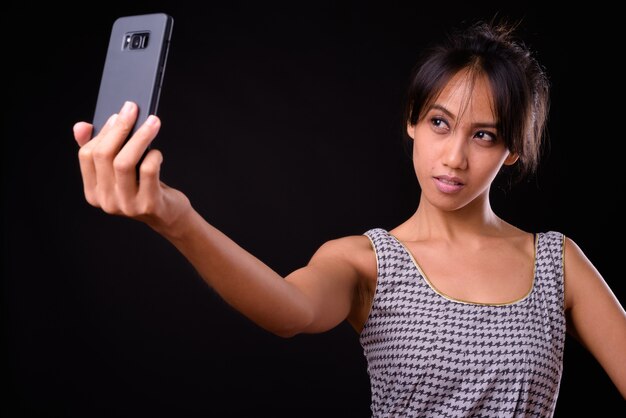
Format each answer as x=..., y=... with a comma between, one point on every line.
x=107, y=166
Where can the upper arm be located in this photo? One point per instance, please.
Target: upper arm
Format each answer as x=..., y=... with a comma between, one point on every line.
x=595, y=316
x=331, y=279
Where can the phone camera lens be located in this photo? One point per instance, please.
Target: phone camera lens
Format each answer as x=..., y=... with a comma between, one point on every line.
x=135, y=41
x=138, y=41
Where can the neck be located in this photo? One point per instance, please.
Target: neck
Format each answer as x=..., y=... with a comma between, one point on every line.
x=473, y=220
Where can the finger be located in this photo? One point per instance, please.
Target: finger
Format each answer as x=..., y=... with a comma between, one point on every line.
x=93, y=142
x=136, y=146
x=88, y=174
x=105, y=150
x=130, y=155
x=82, y=132
x=149, y=180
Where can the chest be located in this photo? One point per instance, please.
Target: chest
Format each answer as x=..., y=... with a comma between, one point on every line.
x=414, y=327
x=421, y=340
x=492, y=275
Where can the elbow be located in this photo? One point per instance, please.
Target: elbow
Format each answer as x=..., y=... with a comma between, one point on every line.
x=286, y=333
x=298, y=323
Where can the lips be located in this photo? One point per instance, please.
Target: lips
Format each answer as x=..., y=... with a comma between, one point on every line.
x=448, y=184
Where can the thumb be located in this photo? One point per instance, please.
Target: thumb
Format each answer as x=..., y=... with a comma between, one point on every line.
x=82, y=132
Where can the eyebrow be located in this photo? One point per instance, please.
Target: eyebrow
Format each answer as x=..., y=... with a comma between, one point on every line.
x=453, y=116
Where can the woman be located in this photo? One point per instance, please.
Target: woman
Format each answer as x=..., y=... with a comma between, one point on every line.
x=459, y=312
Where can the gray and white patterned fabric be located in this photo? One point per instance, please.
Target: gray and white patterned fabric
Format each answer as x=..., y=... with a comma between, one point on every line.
x=432, y=356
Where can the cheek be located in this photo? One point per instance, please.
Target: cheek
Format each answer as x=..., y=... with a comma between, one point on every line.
x=423, y=161
x=490, y=165
x=425, y=153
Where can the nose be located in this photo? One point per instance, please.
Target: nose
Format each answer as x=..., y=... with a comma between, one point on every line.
x=455, y=152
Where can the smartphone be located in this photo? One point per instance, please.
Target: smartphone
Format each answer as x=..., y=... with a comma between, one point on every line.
x=134, y=66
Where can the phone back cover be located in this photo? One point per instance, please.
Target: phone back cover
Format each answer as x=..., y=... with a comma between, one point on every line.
x=133, y=74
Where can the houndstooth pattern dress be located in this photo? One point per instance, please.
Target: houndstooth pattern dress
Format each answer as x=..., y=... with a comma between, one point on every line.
x=432, y=356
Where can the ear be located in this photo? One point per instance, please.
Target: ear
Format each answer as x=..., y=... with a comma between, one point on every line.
x=410, y=130
x=511, y=158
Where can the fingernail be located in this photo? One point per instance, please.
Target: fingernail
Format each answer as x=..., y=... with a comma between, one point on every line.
x=112, y=119
x=152, y=120
x=127, y=107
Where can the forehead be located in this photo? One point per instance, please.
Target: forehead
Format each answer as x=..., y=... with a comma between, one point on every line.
x=468, y=95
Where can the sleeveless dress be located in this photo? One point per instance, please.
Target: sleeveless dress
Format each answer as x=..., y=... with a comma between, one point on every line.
x=432, y=356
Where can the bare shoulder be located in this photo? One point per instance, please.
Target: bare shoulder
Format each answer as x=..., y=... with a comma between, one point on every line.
x=595, y=316
x=353, y=249
x=571, y=250
x=575, y=260
x=357, y=254
x=582, y=279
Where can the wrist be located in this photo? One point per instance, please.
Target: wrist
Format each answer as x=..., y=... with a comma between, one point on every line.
x=177, y=224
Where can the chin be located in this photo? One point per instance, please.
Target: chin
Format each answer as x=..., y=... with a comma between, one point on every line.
x=446, y=203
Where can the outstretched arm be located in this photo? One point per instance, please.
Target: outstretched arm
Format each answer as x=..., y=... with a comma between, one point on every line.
x=312, y=299
x=595, y=316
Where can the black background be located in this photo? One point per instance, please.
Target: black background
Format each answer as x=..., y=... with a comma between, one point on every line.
x=282, y=123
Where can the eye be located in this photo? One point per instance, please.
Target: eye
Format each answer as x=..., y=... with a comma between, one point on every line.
x=485, y=136
x=439, y=124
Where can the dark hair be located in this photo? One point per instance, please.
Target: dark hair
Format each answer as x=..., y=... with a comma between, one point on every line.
x=518, y=82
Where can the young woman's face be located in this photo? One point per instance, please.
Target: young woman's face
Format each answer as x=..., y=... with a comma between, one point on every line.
x=457, y=151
